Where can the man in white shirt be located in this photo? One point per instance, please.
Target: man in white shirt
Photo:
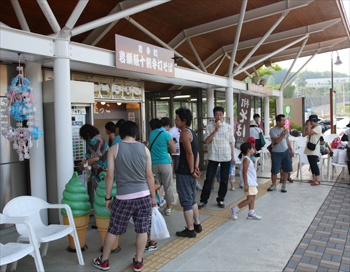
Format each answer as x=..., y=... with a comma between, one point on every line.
x=220, y=150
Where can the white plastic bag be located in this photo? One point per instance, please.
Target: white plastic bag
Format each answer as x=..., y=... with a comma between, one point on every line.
x=159, y=229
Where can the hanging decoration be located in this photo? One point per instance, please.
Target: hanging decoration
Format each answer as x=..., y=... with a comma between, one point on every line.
x=19, y=109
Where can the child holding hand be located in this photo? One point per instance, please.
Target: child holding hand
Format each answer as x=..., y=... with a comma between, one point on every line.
x=248, y=182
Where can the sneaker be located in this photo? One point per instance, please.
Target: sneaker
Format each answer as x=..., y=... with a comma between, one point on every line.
x=99, y=264
x=197, y=228
x=201, y=205
x=272, y=188
x=150, y=247
x=284, y=189
x=186, y=233
x=221, y=204
x=290, y=180
x=232, y=188
x=199, y=187
x=254, y=216
x=137, y=265
x=167, y=211
x=234, y=214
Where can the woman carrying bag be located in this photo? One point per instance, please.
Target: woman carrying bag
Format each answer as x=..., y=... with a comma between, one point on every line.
x=312, y=149
x=257, y=133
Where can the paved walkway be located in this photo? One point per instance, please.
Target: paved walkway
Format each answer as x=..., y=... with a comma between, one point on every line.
x=326, y=244
x=292, y=235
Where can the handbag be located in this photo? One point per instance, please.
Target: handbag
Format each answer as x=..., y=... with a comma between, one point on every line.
x=262, y=139
x=159, y=229
x=312, y=146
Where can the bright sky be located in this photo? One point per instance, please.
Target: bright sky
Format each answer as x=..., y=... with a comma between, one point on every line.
x=322, y=62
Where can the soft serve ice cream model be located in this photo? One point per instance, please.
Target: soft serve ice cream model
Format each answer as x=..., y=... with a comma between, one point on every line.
x=76, y=197
x=102, y=215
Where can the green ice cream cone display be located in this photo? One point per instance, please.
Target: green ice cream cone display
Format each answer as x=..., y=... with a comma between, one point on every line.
x=75, y=195
x=102, y=215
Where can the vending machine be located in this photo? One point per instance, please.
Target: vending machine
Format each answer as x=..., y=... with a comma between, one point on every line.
x=82, y=99
x=79, y=145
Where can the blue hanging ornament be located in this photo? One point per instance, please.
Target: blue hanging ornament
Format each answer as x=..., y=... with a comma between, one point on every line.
x=19, y=105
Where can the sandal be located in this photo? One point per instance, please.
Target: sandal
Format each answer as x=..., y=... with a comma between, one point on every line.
x=311, y=181
x=315, y=183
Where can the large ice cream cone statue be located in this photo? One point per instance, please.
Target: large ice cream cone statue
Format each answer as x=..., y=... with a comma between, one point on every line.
x=102, y=215
x=76, y=197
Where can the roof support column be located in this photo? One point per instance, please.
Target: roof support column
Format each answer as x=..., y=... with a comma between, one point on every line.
x=37, y=152
x=63, y=128
x=238, y=34
x=229, y=104
x=267, y=115
x=294, y=61
x=210, y=102
x=280, y=102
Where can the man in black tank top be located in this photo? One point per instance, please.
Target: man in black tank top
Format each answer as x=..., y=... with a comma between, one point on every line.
x=187, y=173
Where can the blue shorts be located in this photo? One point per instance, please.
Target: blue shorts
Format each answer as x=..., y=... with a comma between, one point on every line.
x=186, y=189
x=279, y=159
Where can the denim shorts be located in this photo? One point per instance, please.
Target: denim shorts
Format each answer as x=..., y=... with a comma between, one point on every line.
x=186, y=189
x=279, y=159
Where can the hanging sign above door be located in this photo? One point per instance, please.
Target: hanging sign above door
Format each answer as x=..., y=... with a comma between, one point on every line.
x=142, y=57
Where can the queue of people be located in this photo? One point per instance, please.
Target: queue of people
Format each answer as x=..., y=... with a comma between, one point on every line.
x=133, y=166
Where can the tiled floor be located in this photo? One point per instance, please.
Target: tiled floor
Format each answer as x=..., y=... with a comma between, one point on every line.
x=326, y=244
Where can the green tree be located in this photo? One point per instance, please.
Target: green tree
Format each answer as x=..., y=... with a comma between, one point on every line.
x=288, y=91
x=300, y=80
x=268, y=71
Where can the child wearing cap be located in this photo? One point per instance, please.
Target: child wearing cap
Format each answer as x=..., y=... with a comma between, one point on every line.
x=251, y=140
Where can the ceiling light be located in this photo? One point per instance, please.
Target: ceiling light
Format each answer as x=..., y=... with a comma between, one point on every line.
x=103, y=103
x=182, y=96
x=193, y=99
x=164, y=98
x=119, y=103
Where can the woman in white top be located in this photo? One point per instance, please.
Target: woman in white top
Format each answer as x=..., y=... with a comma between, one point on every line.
x=254, y=131
x=248, y=182
x=313, y=131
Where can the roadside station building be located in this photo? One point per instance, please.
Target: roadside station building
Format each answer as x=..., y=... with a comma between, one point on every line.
x=93, y=61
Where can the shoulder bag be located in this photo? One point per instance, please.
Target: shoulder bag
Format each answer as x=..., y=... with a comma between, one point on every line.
x=262, y=139
x=155, y=140
x=312, y=146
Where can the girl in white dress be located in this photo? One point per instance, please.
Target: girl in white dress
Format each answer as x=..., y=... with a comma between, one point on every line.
x=248, y=182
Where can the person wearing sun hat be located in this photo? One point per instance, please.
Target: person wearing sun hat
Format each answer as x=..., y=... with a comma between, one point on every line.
x=313, y=131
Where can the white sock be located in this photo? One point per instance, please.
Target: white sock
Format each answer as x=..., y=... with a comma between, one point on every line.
x=235, y=209
x=251, y=212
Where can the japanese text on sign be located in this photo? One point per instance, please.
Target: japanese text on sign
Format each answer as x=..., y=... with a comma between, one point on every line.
x=142, y=57
x=243, y=120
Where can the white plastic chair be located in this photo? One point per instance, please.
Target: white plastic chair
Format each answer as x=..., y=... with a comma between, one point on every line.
x=302, y=160
x=301, y=142
x=264, y=152
x=337, y=161
x=12, y=252
x=31, y=206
